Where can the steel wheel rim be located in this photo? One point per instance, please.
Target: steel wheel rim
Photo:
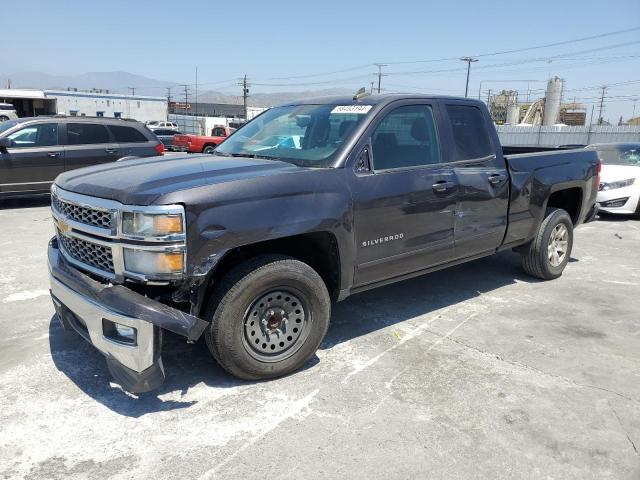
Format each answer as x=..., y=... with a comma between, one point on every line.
x=558, y=245
x=276, y=325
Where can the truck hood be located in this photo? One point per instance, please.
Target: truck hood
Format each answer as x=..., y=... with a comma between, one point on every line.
x=144, y=181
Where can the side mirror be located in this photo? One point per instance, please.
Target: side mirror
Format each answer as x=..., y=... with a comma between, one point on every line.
x=5, y=143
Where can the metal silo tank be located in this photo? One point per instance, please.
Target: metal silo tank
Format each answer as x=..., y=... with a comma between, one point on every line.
x=552, y=101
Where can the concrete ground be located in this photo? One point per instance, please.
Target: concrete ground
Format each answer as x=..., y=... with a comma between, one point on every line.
x=474, y=372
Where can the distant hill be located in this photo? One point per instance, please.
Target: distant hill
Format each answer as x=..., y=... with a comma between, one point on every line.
x=117, y=82
x=270, y=99
x=122, y=82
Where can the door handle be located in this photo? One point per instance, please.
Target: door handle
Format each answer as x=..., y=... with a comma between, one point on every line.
x=53, y=154
x=110, y=150
x=442, y=186
x=497, y=179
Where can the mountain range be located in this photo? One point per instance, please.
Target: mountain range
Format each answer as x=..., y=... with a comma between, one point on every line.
x=125, y=82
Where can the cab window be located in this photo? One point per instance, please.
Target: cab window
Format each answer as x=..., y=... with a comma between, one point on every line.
x=406, y=137
x=470, y=135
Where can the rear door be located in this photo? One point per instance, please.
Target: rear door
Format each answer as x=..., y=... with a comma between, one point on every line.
x=481, y=173
x=132, y=141
x=88, y=144
x=33, y=161
x=403, y=205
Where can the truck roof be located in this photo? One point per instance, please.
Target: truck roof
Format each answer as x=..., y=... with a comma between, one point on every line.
x=372, y=99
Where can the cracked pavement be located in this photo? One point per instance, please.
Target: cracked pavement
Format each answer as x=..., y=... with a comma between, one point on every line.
x=477, y=371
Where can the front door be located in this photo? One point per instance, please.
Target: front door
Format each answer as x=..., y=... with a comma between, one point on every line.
x=88, y=144
x=404, y=204
x=34, y=159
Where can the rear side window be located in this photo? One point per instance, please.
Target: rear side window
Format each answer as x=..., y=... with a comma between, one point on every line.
x=86, y=134
x=406, y=137
x=470, y=134
x=124, y=134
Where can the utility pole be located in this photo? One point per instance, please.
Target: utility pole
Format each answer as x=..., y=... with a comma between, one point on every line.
x=186, y=104
x=168, y=100
x=633, y=115
x=133, y=90
x=245, y=95
x=380, y=65
x=600, y=120
x=489, y=103
x=469, y=61
x=196, y=99
x=373, y=83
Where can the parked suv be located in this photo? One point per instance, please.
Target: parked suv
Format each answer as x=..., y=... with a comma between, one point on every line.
x=167, y=125
x=7, y=112
x=34, y=151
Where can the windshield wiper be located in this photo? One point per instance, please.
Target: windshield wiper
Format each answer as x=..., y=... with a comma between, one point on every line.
x=246, y=155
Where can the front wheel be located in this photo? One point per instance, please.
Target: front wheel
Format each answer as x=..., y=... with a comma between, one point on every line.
x=209, y=149
x=3, y=118
x=269, y=316
x=548, y=254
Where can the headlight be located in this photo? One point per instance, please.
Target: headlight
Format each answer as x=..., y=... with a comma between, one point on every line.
x=619, y=184
x=138, y=224
x=151, y=263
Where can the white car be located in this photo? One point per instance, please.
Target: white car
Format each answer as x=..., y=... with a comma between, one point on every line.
x=7, y=112
x=619, y=190
x=165, y=125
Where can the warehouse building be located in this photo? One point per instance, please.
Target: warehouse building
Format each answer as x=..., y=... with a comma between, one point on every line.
x=93, y=103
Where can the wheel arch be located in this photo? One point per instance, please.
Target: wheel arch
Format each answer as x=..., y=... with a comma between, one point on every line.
x=209, y=144
x=568, y=199
x=319, y=250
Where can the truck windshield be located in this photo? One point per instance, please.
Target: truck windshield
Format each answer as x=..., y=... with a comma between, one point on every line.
x=305, y=135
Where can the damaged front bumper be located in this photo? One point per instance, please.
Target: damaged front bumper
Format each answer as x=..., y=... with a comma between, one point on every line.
x=92, y=309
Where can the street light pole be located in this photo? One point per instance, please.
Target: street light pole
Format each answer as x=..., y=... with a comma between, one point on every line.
x=469, y=60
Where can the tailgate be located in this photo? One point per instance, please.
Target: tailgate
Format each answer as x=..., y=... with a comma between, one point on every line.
x=181, y=140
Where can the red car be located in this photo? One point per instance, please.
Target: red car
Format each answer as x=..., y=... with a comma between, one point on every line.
x=201, y=143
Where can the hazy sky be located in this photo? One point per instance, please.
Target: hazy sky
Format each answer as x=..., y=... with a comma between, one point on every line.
x=293, y=45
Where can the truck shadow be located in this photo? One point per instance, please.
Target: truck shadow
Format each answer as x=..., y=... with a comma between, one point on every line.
x=36, y=201
x=379, y=308
x=189, y=365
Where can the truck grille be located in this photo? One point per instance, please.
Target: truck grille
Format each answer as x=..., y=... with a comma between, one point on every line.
x=86, y=215
x=96, y=256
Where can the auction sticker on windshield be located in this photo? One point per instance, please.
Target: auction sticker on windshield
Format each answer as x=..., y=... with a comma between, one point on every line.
x=359, y=109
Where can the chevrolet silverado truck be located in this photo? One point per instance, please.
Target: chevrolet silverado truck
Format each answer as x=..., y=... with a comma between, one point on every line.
x=250, y=246
x=201, y=143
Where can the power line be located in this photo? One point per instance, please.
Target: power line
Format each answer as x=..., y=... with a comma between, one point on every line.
x=526, y=49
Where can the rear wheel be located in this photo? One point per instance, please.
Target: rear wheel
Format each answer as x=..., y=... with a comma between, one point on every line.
x=209, y=149
x=549, y=252
x=3, y=118
x=269, y=316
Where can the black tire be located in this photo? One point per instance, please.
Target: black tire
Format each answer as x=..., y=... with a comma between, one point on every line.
x=209, y=149
x=636, y=214
x=3, y=118
x=535, y=260
x=234, y=303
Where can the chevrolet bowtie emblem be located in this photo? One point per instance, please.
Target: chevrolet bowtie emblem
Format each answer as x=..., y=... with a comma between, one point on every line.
x=63, y=226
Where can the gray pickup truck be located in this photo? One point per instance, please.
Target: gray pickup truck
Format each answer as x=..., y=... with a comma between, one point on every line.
x=249, y=247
